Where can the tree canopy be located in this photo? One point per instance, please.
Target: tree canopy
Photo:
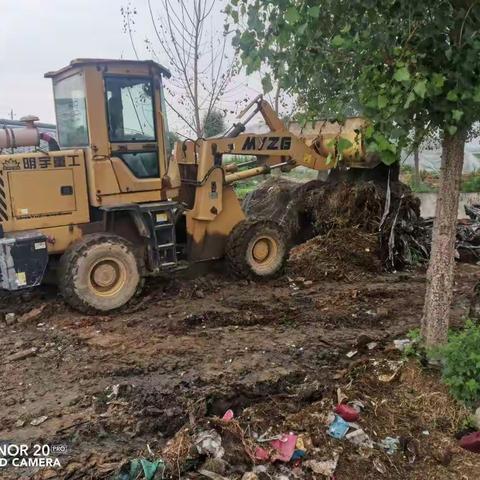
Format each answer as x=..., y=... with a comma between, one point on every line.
x=214, y=123
x=412, y=68
x=405, y=63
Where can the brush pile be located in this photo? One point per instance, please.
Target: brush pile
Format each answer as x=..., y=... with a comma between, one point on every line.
x=365, y=226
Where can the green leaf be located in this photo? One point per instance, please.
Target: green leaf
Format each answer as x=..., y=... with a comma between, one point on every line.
x=292, y=16
x=402, y=75
x=314, y=11
x=452, y=130
x=420, y=88
x=457, y=115
x=388, y=158
x=476, y=95
x=382, y=102
x=438, y=80
x=344, y=144
x=267, y=84
x=452, y=95
x=338, y=41
x=301, y=29
x=329, y=159
x=411, y=98
x=369, y=131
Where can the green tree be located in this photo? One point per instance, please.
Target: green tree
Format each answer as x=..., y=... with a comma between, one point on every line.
x=213, y=124
x=409, y=65
x=172, y=137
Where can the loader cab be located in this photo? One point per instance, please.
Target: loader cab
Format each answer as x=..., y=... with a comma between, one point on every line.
x=113, y=110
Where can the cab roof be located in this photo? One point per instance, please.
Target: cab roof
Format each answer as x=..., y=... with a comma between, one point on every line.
x=100, y=61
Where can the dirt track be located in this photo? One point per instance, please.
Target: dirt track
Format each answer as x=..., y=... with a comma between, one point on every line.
x=232, y=343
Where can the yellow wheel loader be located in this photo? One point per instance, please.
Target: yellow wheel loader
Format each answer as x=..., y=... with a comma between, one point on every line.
x=107, y=205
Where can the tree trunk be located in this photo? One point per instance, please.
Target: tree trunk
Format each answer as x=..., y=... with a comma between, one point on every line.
x=416, y=160
x=440, y=273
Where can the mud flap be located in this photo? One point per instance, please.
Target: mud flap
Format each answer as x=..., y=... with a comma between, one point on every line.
x=23, y=260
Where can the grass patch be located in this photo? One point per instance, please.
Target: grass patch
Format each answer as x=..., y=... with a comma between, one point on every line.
x=460, y=359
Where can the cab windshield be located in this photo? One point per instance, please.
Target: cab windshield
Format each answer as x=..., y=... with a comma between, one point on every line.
x=71, y=111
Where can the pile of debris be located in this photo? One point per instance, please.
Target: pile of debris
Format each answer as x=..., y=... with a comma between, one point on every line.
x=341, y=212
x=468, y=236
x=341, y=254
x=354, y=228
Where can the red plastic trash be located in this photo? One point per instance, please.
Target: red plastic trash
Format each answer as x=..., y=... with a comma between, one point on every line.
x=228, y=415
x=348, y=413
x=471, y=442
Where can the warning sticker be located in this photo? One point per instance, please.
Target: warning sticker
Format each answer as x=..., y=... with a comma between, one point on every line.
x=161, y=217
x=21, y=279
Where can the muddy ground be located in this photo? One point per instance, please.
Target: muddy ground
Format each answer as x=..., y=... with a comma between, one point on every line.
x=189, y=349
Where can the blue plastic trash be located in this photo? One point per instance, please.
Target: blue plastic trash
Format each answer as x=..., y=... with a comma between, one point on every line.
x=338, y=428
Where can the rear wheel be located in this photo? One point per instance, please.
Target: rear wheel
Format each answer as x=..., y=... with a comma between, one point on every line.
x=256, y=249
x=99, y=273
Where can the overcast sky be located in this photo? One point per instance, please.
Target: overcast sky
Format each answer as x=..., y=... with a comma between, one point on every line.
x=38, y=36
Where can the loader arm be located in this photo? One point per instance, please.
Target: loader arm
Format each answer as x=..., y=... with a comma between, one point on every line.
x=279, y=148
x=212, y=208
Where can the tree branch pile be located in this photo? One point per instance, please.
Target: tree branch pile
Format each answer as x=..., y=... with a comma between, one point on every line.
x=373, y=225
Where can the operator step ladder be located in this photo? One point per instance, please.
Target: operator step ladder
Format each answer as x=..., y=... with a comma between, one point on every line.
x=162, y=221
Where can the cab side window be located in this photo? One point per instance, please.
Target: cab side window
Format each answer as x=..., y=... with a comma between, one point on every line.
x=130, y=109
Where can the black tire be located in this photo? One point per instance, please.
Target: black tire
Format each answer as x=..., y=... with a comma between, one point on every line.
x=99, y=273
x=245, y=238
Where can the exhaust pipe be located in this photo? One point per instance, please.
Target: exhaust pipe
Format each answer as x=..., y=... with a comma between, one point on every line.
x=26, y=137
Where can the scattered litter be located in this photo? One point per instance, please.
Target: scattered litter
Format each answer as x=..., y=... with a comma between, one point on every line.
x=228, y=415
x=402, y=344
x=476, y=418
x=298, y=454
x=285, y=446
x=386, y=378
x=360, y=438
x=339, y=428
x=32, y=315
x=29, y=352
x=358, y=405
x=249, y=476
x=39, y=420
x=10, y=318
x=19, y=423
x=209, y=442
x=379, y=466
x=267, y=437
x=348, y=413
x=341, y=397
x=261, y=454
x=260, y=469
x=352, y=353
x=326, y=468
x=471, y=442
x=390, y=444
x=372, y=345
x=212, y=475
x=300, y=444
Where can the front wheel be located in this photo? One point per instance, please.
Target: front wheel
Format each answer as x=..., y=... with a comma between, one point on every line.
x=100, y=272
x=256, y=249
